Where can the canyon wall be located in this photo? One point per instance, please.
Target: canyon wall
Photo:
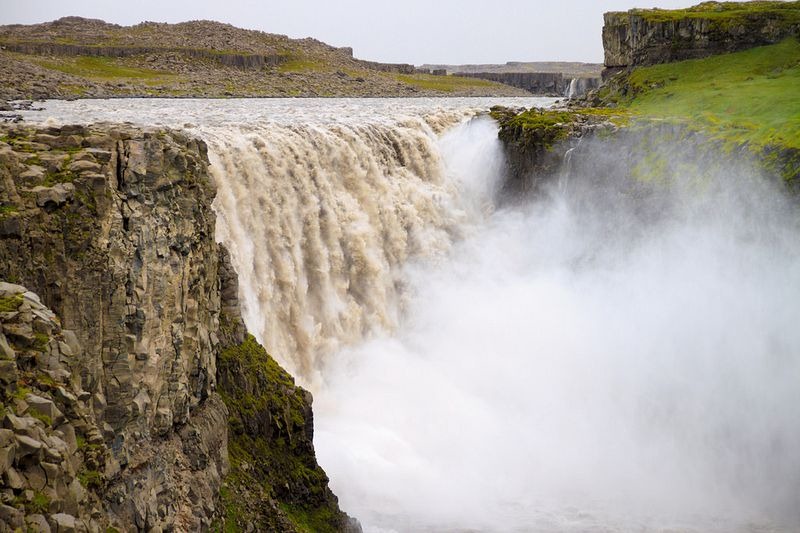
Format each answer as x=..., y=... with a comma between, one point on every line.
x=550, y=83
x=645, y=37
x=122, y=337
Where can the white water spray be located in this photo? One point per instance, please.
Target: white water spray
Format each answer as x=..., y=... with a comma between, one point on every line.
x=581, y=364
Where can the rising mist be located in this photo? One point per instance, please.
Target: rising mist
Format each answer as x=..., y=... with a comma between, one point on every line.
x=619, y=353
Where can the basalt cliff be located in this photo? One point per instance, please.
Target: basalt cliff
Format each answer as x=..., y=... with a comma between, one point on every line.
x=132, y=398
x=642, y=37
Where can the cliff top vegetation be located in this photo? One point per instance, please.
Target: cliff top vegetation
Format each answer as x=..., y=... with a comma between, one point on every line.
x=788, y=12
x=744, y=97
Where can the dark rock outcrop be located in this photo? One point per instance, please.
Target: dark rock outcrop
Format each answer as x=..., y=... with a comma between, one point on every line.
x=646, y=37
x=245, y=61
x=537, y=144
x=544, y=83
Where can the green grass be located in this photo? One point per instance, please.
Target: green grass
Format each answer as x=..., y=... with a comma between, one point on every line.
x=750, y=97
x=727, y=12
x=302, y=65
x=40, y=503
x=447, y=84
x=102, y=68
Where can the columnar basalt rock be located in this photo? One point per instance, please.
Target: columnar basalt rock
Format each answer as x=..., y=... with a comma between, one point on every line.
x=52, y=452
x=112, y=227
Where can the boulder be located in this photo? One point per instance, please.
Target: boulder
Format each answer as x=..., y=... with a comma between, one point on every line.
x=11, y=516
x=27, y=446
x=13, y=479
x=8, y=372
x=57, y=195
x=62, y=523
x=45, y=407
x=37, y=523
x=10, y=289
x=18, y=424
x=84, y=166
x=6, y=351
x=7, y=457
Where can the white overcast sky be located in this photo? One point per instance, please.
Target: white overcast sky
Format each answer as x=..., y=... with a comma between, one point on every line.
x=408, y=31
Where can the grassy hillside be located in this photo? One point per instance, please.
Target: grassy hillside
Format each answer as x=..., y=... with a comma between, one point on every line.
x=748, y=99
x=751, y=96
x=75, y=57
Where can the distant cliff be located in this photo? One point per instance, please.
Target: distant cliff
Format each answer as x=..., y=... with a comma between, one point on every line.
x=643, y=37
x=130, y=395
x=542, y=83
x=74, y=57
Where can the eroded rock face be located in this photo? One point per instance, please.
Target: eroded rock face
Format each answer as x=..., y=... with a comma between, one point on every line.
x=114, y=230
x=648, y=37
x=52, y=452
x=108, y=369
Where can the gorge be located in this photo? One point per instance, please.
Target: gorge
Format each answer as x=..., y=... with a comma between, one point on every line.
x=378, y=261
x=508, y=314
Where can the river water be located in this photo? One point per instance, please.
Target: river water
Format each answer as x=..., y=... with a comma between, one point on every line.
x=560, y=365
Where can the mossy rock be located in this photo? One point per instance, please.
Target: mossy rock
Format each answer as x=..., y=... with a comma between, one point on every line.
x=274, y=480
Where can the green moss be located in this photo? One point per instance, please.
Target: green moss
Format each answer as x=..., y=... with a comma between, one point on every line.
x=91, y=479
x=40, y=504
x=268, y=448
x=233, y=511
x=537, y=127
x=21, y=392
x=310, y=520
x=11, y=303
x=46, y=420
x=302, y=64
x=62, y=176
x=40, y=341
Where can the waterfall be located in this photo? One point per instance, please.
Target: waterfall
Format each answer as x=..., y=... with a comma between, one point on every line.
x=618, y=354
x=572, y=89
x=320, y=219
x=579, y=86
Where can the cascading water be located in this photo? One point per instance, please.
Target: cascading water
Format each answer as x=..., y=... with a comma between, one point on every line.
x=319, y=220
x=608, y=357
x=572, y=88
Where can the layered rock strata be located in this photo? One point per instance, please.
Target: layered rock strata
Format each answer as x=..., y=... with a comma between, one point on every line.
x=643, y=37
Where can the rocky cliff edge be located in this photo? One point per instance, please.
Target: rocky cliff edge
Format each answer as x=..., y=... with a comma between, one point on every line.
x=126, y=374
